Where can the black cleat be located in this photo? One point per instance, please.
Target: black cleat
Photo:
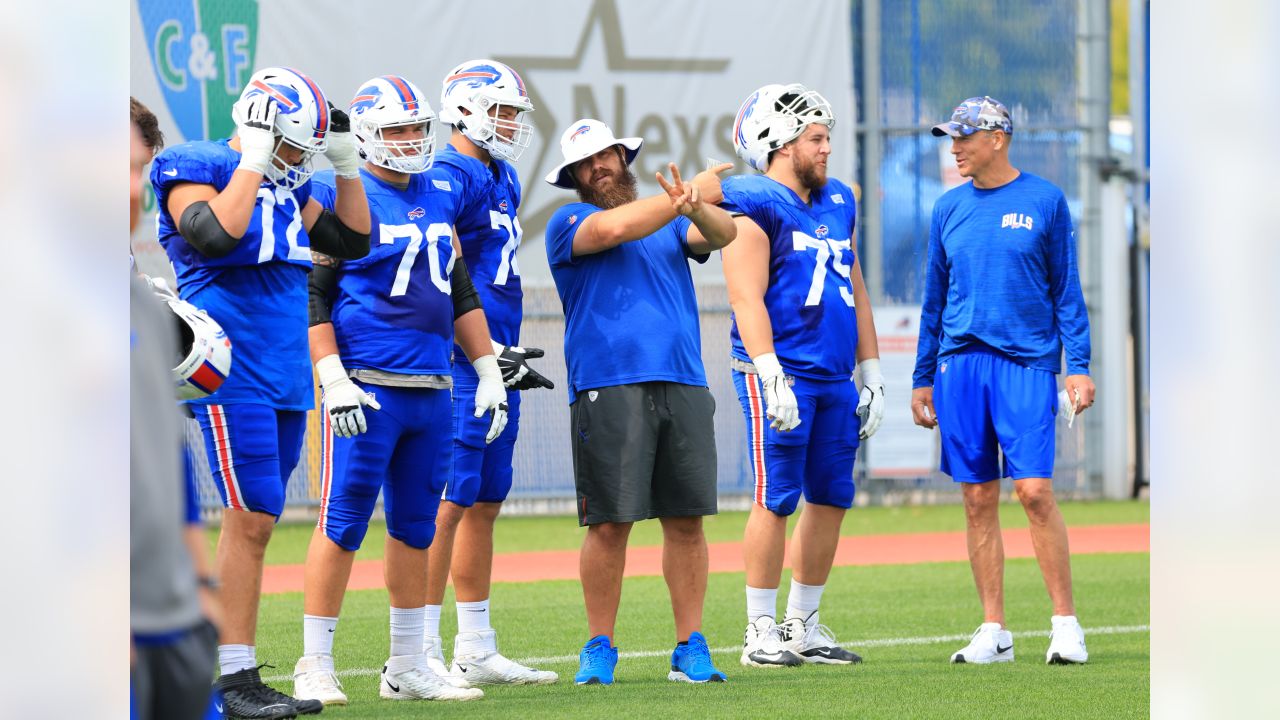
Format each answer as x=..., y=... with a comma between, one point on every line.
x=245, y=697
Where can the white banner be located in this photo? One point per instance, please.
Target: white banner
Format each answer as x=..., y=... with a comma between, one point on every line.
x=671, y=71
x=900, y=448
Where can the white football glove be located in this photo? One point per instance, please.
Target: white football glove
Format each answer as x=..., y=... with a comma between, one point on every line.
x=514, y=364
x=341, y=150
x=343, y=399
x=780, y=402
x=491, y=396
x=257, y=132
x=871, y=400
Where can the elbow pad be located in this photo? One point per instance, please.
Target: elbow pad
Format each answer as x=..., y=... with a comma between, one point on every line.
x=465, y=297
x=331, y=237
x=202, y=231
x=321, y=283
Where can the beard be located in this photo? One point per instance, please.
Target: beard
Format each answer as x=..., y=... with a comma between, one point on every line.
x=620, y=192
x=811, y=175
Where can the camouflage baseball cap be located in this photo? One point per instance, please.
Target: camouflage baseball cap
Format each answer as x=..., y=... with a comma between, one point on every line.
x=974, y=114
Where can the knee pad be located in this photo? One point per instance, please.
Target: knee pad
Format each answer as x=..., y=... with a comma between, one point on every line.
x=417, y=534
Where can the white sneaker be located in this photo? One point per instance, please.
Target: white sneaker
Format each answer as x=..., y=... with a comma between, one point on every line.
x=314, y=679
x=990, y=644
x=477, y=660
x=435, y=660
x=1066, y=642
x=762, y=645
x=407, y=677
x=814, y=643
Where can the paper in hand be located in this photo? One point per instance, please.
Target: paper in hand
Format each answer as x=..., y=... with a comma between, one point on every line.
x=1067, y=407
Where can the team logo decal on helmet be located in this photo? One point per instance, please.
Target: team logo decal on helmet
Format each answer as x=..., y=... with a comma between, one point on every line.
x=204, y=353
x=302, y=120
x=391, y=101
x=471, y=100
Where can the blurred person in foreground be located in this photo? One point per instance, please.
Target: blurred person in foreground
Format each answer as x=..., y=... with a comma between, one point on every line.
x=802, y=323
x=238, y=222
x=1002, y=300
x=171, y=589
x=641, y=414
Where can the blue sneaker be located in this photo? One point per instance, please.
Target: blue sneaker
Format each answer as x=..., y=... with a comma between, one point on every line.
x=691, y=662
x=596, y=662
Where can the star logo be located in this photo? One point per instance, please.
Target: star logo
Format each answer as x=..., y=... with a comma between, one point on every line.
x=603, y=20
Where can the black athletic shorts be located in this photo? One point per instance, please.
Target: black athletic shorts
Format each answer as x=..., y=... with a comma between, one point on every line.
x=642, y=451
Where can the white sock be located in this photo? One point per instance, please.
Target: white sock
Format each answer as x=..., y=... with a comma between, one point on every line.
x=317, y=634
x=761, y=602
x=473, y=616
x=803, y=600
x=234, y=658
x=406, y=630
x=431, y=616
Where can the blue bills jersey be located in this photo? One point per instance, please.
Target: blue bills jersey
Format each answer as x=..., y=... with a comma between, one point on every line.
x=257, y=292
x=811, y=253
x=489, y=233
x=394, y=307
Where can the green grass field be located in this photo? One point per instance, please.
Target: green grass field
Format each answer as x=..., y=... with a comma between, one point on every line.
x=523, y=534
x=905, y=620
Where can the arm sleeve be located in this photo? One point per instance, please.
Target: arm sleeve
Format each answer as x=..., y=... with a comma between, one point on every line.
x=202, y=231
x=1064, y=289
x=935, y=300
x=463, y=291
x=322, y=285
x=331, y=236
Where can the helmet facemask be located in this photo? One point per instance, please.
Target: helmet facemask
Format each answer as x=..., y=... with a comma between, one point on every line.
x=292, y=176
x=406, y=156
x=504, y=139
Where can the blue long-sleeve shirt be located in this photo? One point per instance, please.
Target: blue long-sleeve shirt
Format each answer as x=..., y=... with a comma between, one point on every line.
x=1002, y=275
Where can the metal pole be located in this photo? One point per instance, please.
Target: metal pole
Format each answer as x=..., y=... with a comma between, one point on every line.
x=1093, y=58
x=1138, y=10
x=872, y=232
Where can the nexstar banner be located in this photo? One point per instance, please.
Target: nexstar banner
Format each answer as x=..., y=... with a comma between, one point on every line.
x=671, y=71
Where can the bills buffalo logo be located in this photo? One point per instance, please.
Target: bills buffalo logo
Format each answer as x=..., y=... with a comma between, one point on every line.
x=821, y=232
x=502, y=206
x=365, y=99
x=416, y=213
x=287, y=101
x=743, y=114
x=473, y=77
x=581, y=129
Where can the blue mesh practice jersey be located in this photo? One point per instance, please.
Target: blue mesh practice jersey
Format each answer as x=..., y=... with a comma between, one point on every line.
x=394, y=307
x=257, y=292
x=810, y=294
x=489, y=233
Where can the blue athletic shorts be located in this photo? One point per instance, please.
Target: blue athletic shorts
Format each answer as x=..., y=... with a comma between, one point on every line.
x=816, y=457
x=481, y=473
x=252, y=451
x=407, y=453
x=987, y=405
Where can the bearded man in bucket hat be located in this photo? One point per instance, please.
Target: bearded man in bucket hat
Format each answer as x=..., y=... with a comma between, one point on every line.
x=641, y=413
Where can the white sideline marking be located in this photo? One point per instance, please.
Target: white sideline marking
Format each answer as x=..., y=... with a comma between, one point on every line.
x=882, y=642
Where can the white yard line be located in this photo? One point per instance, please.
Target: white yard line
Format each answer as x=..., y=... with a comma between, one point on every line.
x=856, y=645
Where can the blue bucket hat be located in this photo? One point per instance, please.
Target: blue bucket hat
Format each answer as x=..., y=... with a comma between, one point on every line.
x=974, y=114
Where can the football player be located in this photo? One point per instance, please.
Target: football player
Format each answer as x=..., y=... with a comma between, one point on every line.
x=801, y=322
x=486, y=104
x=382, y=335
x=238, y=222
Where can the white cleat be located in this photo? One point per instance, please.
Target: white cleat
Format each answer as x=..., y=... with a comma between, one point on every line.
x=762, y=645
x=435, y=660
x=814, y=642
x=476, y=659
x=990, y=644
x=1066, y=642
x=407, y=677
x=315, y=679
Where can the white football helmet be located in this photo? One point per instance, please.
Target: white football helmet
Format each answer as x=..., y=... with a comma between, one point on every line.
x=773, y=116
x=390, y=101
x=302, y=120
x=204, y=354
x=479, y=87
